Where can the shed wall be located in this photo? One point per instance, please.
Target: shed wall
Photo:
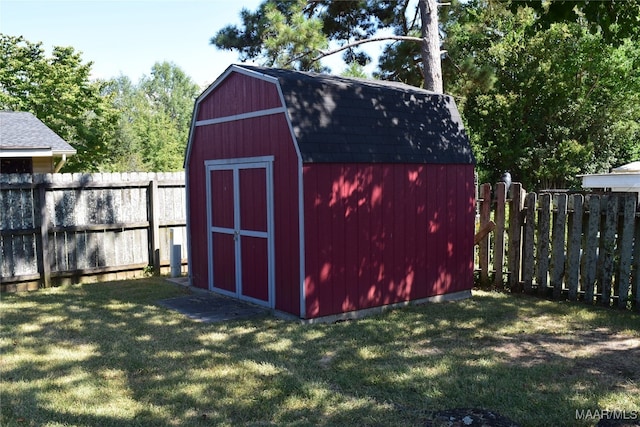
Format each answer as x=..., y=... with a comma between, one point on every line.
x=252, y=137
x=378, y=234
x=239, y=94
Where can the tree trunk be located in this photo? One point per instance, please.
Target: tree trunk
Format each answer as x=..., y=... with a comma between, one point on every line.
x=431, y=45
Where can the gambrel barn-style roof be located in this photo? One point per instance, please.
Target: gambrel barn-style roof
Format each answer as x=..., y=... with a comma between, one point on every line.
x=343, y=119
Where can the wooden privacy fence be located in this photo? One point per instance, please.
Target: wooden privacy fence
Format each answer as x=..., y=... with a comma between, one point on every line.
x=564, y=245
x=57, y=227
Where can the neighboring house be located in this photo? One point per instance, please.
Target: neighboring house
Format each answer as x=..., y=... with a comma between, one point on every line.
x=625, y=179
x=28, y=146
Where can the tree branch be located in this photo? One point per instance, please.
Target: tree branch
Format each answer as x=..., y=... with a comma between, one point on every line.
x=325, y=53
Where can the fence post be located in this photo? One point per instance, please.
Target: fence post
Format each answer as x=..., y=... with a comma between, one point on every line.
x=154, y=226
x=515, y=235
x=44, y=266
x=498, y=247
x=484, y=244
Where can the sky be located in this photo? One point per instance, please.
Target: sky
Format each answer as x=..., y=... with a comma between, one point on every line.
x=128, y=36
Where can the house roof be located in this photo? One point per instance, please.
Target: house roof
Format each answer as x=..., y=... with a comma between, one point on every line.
x=632, y=167
x=341, y=119
x=22, y=132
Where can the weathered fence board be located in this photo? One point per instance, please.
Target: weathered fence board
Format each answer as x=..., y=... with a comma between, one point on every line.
x=516, y=221
x=501, y=196
x=542, y=249
x=529, y=241
x=591, y=249
x=73, y=225
x=484, y=246
x=574, y=240
x=626, y=250
x=607, y=247
x=635, y=272
x=564, y=245
x=558, y=243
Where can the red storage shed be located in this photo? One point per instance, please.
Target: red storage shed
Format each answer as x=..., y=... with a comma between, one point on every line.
x=323, y=196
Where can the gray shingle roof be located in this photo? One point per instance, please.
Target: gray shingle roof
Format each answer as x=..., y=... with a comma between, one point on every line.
x=340, y=119
x=23, y=130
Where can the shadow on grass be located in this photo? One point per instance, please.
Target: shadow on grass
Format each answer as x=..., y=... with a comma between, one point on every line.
x=107, y=354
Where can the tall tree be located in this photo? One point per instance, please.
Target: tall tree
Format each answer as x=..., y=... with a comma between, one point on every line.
x=430, y=49
x=126, y=151
x=563, y=100
x=295, y=33
x=58, y=90
x=279, y=32
x=155, y=116
x=544, y=95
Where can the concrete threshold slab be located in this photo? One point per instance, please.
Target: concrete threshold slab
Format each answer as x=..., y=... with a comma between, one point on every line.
x=210, y=307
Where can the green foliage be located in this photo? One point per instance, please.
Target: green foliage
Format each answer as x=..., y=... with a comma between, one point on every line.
x=291, y=33
x=401, y=62
x=614, y=19
x=345, y=21
x=58, y=91
x=548, y=90
x=155, y=116
x=280, y=33
x=355, y=70
x=562, y=100
x=114, y=125
x=292, y=40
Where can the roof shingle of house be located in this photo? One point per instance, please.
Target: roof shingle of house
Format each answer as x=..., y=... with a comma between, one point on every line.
x=341, y=119
x=23, y=130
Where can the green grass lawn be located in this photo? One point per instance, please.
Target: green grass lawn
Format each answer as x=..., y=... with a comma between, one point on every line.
x=108, y=355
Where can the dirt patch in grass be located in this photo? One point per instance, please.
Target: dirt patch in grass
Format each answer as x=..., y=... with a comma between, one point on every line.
x=608, y=358
x=612, y=356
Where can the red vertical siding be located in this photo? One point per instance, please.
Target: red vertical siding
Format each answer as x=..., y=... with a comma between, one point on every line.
x=253, y=192
x=222, y=191
x=224, y=254
x=462, y=254
x=373, y=194
x=433, y=215
x=350, y=198
x=254, y=268
x=440, y=209
x=238, y=94
x=385, y=233
x=366, y=272
x=259, y=136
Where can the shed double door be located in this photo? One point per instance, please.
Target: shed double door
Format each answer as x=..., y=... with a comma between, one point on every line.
x=240, y=224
